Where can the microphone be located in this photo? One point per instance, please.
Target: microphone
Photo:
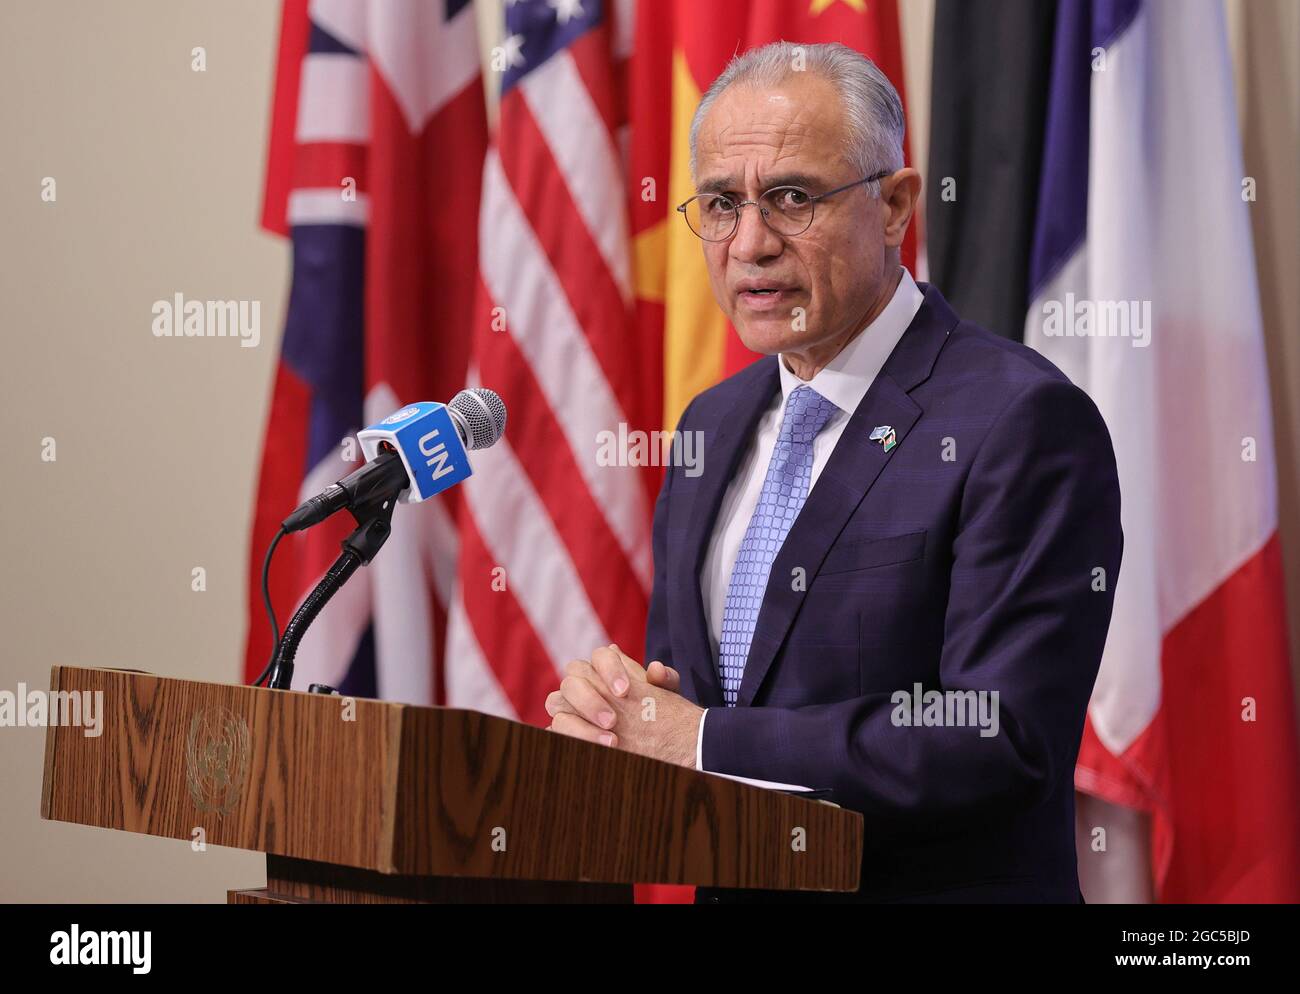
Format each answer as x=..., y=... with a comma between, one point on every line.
x=411, y=455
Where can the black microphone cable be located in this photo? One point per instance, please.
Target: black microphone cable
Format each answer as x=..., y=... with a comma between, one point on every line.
x=270, y=608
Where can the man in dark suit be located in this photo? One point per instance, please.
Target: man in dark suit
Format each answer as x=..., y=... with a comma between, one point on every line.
x=894, y=576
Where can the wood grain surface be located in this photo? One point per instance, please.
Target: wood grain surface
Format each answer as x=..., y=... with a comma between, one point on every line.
x=398, y=789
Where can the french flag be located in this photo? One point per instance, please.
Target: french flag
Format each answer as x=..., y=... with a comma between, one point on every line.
x=1143, y=291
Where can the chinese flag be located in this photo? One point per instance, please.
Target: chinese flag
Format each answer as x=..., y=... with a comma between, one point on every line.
x=681, y=47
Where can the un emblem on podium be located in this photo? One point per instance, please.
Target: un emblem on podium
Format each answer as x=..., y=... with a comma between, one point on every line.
x=216, y=759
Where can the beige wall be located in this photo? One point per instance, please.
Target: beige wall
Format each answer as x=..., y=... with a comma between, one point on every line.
x=158, y=171
x=1265, y=38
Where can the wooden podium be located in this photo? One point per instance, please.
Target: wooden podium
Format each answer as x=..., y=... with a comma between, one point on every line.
x=357, y=800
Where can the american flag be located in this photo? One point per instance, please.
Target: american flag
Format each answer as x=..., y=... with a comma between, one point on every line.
x=555, y=555
x=456, y=263
x=375, y=162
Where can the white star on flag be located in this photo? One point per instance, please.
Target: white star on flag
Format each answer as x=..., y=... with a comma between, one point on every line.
x=514, y=49
x=566, y=10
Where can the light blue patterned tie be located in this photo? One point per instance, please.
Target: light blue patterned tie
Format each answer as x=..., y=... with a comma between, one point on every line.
x=785, y=488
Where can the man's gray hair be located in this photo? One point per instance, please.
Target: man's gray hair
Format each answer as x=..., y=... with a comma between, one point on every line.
x=871, y=105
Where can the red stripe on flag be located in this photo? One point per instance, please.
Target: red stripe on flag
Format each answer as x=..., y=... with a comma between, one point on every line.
x=283, y=457
x=539, y=444
x=422, y=252
x=295, y=32
x=1234, y=784
x=506, y=637
x=1223, y=787
x=553, y=214
x=591, y=57
x=328, y=164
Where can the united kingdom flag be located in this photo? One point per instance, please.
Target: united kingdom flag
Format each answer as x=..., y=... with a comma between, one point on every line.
x=375, y=164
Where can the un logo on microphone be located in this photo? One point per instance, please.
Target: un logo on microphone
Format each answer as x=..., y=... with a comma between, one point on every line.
x=402, y=415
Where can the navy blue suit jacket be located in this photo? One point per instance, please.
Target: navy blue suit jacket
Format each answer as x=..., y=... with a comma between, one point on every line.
x=965, y=558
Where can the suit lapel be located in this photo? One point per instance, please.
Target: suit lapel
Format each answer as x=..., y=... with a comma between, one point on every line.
x=853, y=468
x=722, y=453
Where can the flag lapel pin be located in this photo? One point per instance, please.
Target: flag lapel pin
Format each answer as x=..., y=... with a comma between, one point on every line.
x=885, y=436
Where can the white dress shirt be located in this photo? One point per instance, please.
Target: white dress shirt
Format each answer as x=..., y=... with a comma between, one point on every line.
x=844, y=382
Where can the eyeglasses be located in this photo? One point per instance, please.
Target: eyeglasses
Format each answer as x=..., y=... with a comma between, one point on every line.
x=787, y=210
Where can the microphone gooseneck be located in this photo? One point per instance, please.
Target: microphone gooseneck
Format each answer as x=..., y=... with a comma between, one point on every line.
x=371, y=493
